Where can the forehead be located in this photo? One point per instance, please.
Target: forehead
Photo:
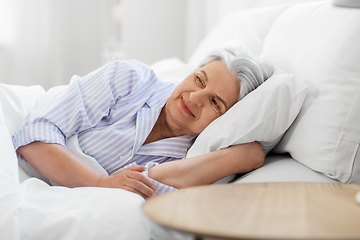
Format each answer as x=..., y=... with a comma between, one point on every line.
x=221, y=81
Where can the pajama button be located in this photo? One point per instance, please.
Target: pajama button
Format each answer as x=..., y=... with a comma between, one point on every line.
x=121, y=158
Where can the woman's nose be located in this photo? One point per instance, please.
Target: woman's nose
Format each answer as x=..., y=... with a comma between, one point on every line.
x=197, y=98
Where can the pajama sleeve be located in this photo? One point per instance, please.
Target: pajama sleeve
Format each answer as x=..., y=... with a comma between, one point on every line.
x=83, y=103
x=160, y=187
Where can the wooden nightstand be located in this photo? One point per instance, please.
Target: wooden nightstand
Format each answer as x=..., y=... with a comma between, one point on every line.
x=261, y=210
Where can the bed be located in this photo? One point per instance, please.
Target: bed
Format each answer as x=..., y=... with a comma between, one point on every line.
x=307, y=120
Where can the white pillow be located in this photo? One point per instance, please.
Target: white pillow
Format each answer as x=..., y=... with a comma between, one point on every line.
x=172, y=69
x=9, y=184
x=320, y=44
x=263, y=115
x=249, y=27
x=17, y=102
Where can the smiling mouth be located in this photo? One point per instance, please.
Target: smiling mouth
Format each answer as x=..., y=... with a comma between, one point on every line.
x=186, y=108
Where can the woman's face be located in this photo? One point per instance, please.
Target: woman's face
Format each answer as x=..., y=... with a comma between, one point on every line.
x=200, y=98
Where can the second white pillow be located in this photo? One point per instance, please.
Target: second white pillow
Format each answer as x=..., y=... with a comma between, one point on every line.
x=263, y=115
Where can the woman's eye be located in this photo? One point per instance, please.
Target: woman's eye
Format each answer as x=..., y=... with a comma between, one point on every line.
x=200, y=81
x=216, y=104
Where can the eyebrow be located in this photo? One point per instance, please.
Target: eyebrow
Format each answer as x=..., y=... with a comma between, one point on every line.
x=217, y=96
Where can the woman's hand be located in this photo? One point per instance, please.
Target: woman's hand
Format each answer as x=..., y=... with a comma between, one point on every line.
x=132, y=180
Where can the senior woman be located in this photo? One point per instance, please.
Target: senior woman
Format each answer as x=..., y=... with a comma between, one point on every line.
x=123, y=113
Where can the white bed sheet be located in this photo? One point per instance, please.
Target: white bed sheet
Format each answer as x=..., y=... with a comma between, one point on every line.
x=283, y=168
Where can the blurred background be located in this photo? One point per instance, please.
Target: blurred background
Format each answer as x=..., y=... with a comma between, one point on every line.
x=46, y=42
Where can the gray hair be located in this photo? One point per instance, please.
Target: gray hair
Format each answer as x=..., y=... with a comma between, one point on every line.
x=248, y=69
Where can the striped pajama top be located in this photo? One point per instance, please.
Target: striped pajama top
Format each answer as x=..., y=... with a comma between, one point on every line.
x=112, y=109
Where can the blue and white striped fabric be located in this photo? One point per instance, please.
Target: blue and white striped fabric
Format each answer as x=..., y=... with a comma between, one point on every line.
x=113, y=110
x=160, y=187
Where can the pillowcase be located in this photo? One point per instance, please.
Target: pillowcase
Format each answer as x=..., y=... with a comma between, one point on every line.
x=17, y=102
x=249, y=27
x=172, y=69
x=263, y=115
x=319, y=43
x=9, y=184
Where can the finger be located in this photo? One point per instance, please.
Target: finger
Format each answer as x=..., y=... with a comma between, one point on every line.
x=135, y=180
x=140, y=187
x=128, y=180
x=137, y=168
x=134, y=191
x=142, y=178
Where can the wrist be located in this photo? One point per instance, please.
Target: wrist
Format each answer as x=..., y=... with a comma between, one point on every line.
x=101, y=181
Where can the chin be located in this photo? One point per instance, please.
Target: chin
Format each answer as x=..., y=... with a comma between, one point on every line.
x=178, y=119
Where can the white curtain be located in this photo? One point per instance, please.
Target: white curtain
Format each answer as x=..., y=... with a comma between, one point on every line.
x=47, y=41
